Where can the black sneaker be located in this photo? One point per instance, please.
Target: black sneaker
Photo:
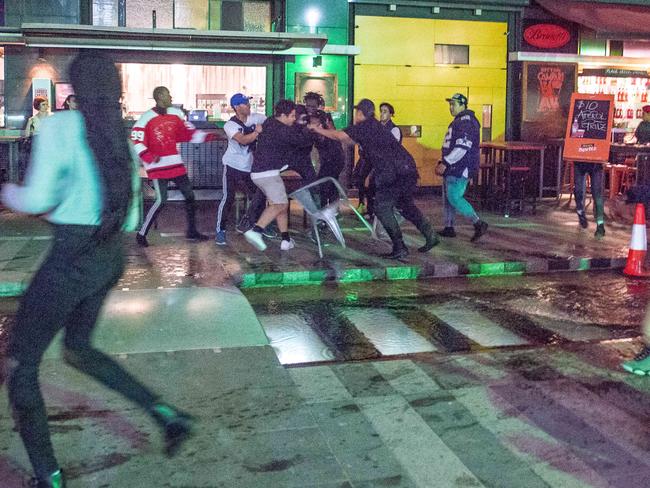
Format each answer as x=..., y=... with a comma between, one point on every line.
x=177, y=426
x=398, y=253
x=600, y=231
x=447, y=232
x=55, y=480
x=480, y=228
x=582, y=219
x=195, y=235
x=141, y=240
x=244, y=225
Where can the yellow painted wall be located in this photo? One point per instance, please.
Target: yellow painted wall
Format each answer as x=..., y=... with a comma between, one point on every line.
x=397, y=65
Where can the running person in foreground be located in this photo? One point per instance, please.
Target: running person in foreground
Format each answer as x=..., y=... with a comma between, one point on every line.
x=84, y=184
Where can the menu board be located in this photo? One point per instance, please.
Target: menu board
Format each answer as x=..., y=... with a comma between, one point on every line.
x=589, y=127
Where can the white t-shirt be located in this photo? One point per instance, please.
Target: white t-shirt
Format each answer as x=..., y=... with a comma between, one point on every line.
x=238, y=156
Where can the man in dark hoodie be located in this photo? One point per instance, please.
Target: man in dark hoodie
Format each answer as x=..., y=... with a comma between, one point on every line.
x=275, y=145
x=395, y=175
x=460, y=155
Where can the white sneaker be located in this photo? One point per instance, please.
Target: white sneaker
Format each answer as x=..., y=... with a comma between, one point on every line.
x=286, y=245
x=256, y=239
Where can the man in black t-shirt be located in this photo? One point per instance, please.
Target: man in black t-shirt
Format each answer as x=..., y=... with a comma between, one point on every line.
x=395, y=175
x=642, y=132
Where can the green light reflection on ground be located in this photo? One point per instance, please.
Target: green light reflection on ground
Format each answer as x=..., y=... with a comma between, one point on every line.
x=403, y=273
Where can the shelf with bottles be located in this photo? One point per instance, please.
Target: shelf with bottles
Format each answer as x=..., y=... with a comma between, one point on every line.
x=626, y=90
x=630, y=95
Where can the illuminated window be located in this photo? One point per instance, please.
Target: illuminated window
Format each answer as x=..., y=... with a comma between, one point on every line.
x=452, y=54
x=105, y=12
x=246, y=15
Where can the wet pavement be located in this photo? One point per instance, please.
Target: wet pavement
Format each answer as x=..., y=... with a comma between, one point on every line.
x=344, y=322
x=549, y=241
x=503, y=381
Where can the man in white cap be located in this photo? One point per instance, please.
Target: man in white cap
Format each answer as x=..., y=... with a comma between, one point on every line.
x=460, y=156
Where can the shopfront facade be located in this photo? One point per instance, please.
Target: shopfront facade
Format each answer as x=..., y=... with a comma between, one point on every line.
x=517, y=60
x=204, y=55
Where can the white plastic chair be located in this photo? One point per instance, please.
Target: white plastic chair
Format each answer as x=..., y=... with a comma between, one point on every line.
x=327, y=213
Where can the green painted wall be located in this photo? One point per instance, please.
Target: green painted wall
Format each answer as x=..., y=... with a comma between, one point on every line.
x=334, y=21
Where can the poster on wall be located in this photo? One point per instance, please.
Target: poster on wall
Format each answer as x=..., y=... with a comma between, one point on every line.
x=61, y=92
x=42, y=87
x=547, y=89
x=326, y=84
x=589, y=128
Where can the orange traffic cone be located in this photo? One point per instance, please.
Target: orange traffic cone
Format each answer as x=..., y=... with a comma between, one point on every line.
x=638, y=245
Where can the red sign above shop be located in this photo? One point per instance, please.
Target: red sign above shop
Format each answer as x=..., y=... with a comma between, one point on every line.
x=547, y=36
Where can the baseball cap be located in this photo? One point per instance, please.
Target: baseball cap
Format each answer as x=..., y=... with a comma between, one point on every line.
x=239, y=99
x=646, y=109
x=366, y=107
x=458, y=97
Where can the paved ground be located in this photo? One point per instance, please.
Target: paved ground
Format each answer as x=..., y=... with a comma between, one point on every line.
x=510, y=381
x=384, y=320
x=551, y=240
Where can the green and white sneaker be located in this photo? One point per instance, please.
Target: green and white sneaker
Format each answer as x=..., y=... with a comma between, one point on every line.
x=640, y=364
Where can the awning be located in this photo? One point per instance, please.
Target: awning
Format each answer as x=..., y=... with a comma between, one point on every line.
x=608, y=20
x=96, y=37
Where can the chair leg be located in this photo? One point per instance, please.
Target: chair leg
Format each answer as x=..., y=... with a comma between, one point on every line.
x=315, y=227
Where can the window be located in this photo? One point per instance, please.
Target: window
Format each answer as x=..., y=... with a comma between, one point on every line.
x=193, y=86
x=452, y=54
x=240, y=15
x=105, y=12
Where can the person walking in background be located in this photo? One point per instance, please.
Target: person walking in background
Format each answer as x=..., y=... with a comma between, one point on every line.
x=386, y=114
x=242, y=131
x=595, y=172
x=156, y=135
x=84, y=184
x=276, y=143
x=460, y=157
x=395, y=176
x=34, y=122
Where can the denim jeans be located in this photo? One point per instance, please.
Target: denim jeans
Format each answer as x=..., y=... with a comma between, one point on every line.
x=595, y=171
x=454, y=200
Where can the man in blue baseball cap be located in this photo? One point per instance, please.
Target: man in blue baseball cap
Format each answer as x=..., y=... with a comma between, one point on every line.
x=242, y=131
x=239, y=99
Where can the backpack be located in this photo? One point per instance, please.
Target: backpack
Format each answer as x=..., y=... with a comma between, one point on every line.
x=246, y=130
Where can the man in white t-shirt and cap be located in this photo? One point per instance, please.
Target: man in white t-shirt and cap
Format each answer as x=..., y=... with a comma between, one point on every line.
x=242, y=130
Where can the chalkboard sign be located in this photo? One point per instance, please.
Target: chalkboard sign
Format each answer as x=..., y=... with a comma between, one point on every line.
x=589, y=127
x=590, y=119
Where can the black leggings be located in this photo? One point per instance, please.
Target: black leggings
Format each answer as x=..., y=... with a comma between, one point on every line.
x=160, y=186
x=67, y=293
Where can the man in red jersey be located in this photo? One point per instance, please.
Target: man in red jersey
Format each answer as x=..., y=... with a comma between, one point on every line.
x=155, y=137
